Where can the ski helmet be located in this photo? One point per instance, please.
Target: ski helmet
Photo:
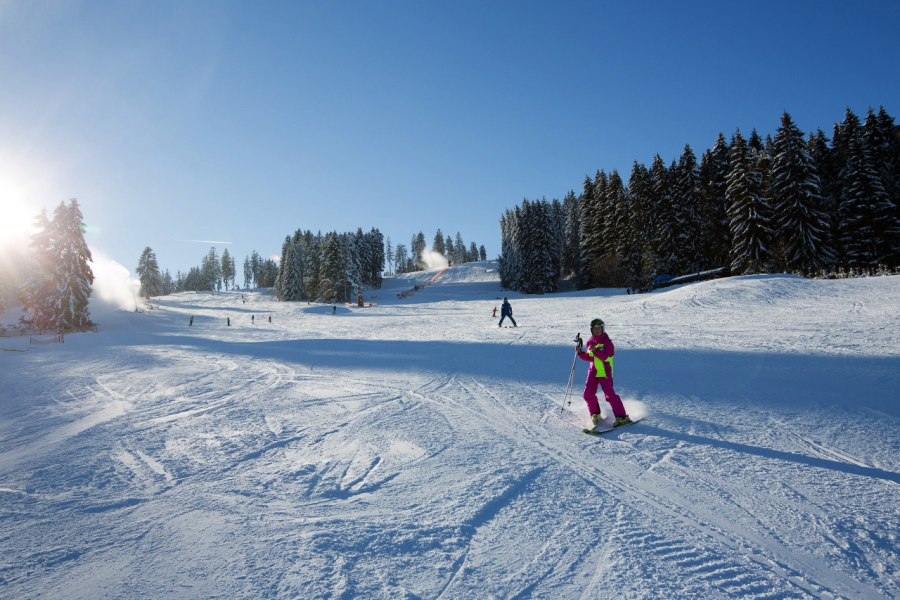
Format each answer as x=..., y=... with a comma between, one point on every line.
x=598, y=322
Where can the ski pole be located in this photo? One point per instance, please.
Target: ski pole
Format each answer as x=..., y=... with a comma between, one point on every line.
x=566, y=398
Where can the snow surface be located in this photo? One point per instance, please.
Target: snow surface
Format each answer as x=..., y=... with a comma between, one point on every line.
x=415, y=450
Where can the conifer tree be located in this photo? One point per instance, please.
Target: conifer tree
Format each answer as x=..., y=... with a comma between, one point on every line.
x=227, y=268
x=72, y=277
x=460, y=247
x=635, y=230
x=37, y=291
x=829, y=185
x=281, y=279
x=148, y=274
x=714, y=236
x=664, y=222
x=389, y=255
x=800, y=225
x=248, y=272
x=438, y=245
x=590, y=239
x=865, y=223
x=686, y=211
x=571, y=264
x=612, y=221
x=748, y=212
x=333, y=271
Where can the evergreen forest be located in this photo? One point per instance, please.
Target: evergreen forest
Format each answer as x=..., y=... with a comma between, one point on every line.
x=791, y=203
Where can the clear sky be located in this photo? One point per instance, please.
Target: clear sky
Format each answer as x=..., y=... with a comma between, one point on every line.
x=240, y=122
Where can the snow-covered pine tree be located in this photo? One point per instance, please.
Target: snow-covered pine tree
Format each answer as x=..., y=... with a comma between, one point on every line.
x=227, y=268
x=73, y=276
x=37, y=290
x=636, y=228
x=449, y=250
x=248, y=272
x=864, y=209
x=714, y=236
x=558, y=217
x=687, y=211
x=352, y=283
x=460, y=247
x=800, y=226
x=879, y=141
x=375, y=258
x=312, y=248
x=148, y=274
x=482, y=252
x=748, y=212
x=389, y=255
x=417, y=250
x=612, y=204
x=281, y=279
x=438, y=245
x=212, y=270
x=401, y=258
x=829, y=185
x=755, y=141
x=588, y=235
x=296, y=271
x=333, y=269
x=665, y=225
x=891, y=133
x=572, y=248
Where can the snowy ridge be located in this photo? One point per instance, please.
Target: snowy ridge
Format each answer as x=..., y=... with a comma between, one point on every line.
x=416, y=450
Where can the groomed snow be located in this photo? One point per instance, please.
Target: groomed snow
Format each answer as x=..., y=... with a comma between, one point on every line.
x=415, y=450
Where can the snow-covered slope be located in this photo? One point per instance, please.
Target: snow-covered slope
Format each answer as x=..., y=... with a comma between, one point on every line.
x=413, y=449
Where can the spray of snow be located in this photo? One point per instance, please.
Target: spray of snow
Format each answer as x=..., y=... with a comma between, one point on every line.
x=113, y=284
x=434, y=260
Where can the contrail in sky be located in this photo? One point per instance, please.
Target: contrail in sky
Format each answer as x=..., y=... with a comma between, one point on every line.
x=207, y=242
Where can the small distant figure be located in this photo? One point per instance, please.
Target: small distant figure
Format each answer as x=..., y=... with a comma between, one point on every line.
x=191, y=322
x=244, y=301
x=506, y=311
x=270, y=318
x=253, y=319
x=495, y=312
x=228, y=320
x=334, y=310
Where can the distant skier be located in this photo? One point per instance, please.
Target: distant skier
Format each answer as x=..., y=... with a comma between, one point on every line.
x=334, y=310
x=191, y=322
x=599, y=353
x=253, y=319
x=270, y=318
x=228, y=321
x=495, y=312
x=506, y=311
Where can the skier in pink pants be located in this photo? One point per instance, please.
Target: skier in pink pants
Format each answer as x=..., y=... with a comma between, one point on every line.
x=599, y=353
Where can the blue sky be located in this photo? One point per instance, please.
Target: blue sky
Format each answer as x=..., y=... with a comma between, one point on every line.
x=243, y=121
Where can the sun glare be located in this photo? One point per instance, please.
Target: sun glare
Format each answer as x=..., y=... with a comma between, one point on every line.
x=16, y=219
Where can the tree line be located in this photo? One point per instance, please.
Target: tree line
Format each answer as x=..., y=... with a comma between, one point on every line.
x=329, y=268
x=213, y=273
x=407, y=260
x=788, y=203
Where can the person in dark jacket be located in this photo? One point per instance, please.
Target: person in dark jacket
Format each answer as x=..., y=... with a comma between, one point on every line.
x=506, y=311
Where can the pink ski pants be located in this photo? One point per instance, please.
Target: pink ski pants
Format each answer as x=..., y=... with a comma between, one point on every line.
x=590, y=395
